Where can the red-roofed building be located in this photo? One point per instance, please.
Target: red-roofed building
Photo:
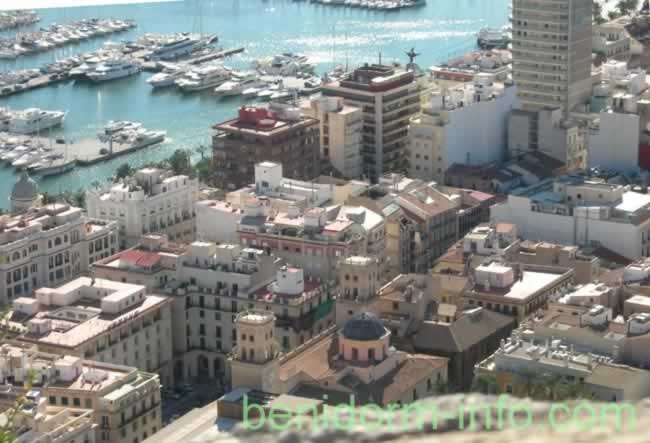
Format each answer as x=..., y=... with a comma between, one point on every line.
x=280, y=135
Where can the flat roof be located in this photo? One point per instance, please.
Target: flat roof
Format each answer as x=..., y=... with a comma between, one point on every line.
x=531, y=283
x=633, y=201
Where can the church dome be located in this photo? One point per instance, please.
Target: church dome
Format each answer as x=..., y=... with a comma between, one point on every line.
x=364, y=327
x=25, y=189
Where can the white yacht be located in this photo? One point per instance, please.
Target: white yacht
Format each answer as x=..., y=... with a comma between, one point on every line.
x=266, y=94
x=283, y=64
x=27, y=159
x=145, y=137
x=489, y=38
x=179, y=46
x=168, y=76
x=34, y=120
x=113, y=69
x=204, y=78
x=238, y=85
x=253, y=92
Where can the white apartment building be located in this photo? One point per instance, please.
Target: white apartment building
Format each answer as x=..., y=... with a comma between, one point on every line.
x=551, y=52
x=619, y=76
x=612, y=40
x=580, y=211
x=48, y=245
x=72, y=399
x=152, y=200
x=340, y=133
x=466, y=124
x=388, y=98
x=315, y=239
x=98, y=319
x=39, y=423
x=272, y=191
x=218, y=282
x=614, y=141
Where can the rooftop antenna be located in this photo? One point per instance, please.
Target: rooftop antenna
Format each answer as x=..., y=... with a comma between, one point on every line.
x=379, y=57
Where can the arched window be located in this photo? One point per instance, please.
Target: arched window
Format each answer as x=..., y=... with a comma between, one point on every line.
x=57, y=241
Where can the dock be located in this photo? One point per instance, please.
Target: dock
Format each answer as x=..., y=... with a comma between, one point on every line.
x=84, y=152
x=152, y=66
x=34, y=83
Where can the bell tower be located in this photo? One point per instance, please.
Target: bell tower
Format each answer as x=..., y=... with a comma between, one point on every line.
x=254, y=360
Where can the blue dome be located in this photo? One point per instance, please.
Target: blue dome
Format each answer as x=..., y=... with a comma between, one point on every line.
x=364, y=327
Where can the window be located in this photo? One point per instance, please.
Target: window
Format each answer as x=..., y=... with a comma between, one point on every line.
x=52, y=400
x=64, y=401
x=76, y=402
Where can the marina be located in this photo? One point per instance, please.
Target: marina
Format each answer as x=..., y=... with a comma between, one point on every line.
x=377, y=5
x=56, y=35
x=79, y=67
x=331, y=37
x=16, y=19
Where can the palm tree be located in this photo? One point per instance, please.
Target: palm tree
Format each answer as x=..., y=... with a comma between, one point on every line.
x=202, y=149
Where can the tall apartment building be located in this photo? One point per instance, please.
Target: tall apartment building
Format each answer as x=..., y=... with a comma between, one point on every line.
x=279, y=133
x=340, y=134
x=388, y=98
x=466, y=124
x=152, y=200
x=48, y=245
x=209, y=284
x=81, y=400
x=98, y=319
x=551, y=52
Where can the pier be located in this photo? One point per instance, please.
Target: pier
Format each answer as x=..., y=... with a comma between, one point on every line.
x=151, y=66
x=83, y=152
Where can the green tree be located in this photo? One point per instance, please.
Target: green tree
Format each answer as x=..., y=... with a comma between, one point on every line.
x=204, y=170
x=627, y=6
x=597, y=12
x=79, y=198
x=180, y=162
x=123, y=171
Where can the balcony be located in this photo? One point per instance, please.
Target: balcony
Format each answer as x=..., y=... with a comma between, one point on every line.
x=141, y=413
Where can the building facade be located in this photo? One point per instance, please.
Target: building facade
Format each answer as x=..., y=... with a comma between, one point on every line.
x=279, y=134
x=551, y=52
x=81, y=400
x=103, y=320
x=388, y=98
x=466, y=124
x=340, y=134
x=49, y=245
x=151, y=201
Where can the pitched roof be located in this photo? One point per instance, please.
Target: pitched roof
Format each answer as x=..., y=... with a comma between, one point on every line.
x=461, y=334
